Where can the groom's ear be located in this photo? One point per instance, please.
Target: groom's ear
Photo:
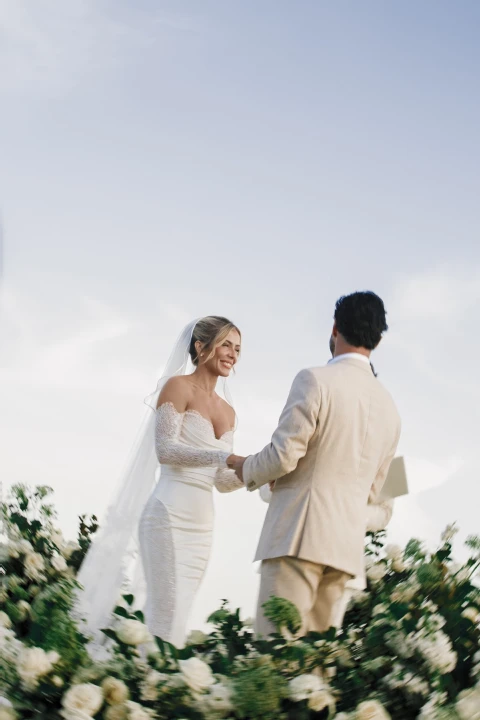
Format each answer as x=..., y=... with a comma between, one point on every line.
x=334, y=330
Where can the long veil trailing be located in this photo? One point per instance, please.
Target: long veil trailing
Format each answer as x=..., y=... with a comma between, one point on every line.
x=113, y=559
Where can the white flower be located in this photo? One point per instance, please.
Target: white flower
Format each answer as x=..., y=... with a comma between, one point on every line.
x=149, y=688
x=23, y=608
x=116, y=712
x=82, y=700
x=398, y=565
x=7, y=713
x=472, y=614
x=32, y=664
x=320, y=700
x=57, y=681
x=393, y=552
x=303, y=686
x=115, y=691
x=68, y=549
x=468, y=704
x=376, y=572
x=23, y=547
x=3, y=594
x=371, y=710
x=57, y=538
x=133, y=632
x=34, y=566
x=197, y=637
x=59, y=563
x=437, y=650
x=219, y=699
x=137, y=712
x=5, y=621
x=196, y=673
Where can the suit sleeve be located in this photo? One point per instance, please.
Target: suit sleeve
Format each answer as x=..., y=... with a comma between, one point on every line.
x=378, y=516
x=378, y=483
x=289, y=443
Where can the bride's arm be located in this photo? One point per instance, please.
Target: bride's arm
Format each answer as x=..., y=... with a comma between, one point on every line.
x=226, y=480
x=171, y=451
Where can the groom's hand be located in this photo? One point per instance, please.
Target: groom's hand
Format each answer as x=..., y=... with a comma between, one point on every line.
x=236, y=462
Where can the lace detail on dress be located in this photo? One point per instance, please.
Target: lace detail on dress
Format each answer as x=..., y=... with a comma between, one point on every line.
x=158, y=556
x=171, y=451
x=226, y=481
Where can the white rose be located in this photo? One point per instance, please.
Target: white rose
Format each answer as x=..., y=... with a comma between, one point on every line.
x=5, y=620
x=86, y=699
x=398, y=565
x=57, y=681
x=393, y=552
x=23, y=608
x=320, y=700
x=219, y=699
x=34, y=565
x=68, y=549
x=471, y=614
x=3, y=595
x=59, y=563
x=137, y=712
x=116, y=712
x=376, y=572
x=32, y=664
x=57, y=538
x=24, y=547
x=196, y=673
x=115, y=691
x=303, y=686
x=468, y=704
x=7, y=713
x=371, y=710
x=197, y=637
x=133, y=632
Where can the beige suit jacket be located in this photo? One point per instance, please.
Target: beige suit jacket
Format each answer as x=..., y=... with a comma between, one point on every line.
x=330, y=455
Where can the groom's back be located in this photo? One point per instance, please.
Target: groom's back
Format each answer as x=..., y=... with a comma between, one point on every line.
x=318, y=511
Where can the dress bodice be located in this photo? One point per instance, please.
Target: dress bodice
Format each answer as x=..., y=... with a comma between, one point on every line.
x=189, y=451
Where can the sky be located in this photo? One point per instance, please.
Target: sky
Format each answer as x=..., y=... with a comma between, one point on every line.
x=161, y=161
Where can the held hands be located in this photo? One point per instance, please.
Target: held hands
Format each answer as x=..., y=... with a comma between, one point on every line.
x=236, y=462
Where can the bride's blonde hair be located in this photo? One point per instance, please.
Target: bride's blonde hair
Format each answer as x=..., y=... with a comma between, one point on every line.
x=211, y=332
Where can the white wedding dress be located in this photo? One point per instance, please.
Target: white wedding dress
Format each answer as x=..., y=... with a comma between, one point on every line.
x=176, y=525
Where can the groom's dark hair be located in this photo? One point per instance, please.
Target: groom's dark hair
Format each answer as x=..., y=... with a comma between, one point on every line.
x=361, y=319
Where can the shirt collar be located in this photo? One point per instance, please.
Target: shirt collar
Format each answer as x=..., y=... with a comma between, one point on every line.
x=349, y=356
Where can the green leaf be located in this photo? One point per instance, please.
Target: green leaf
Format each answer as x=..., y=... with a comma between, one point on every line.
x=121, y=611
x=139, y=615
x=109, y=633
x=129, y=599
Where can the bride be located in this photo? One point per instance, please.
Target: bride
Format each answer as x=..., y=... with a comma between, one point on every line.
x=193, y=439
x=189, y=430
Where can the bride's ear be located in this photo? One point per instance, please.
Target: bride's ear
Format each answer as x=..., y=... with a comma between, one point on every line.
x=198, y=349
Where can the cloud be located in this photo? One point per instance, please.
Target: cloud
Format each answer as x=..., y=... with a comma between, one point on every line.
x=90, y=345
x=432, y=313
x=51, y=46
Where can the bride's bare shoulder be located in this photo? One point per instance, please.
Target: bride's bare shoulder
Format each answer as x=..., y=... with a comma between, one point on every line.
x=176, y=391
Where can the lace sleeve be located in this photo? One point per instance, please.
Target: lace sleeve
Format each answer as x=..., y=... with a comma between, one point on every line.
x=171, y=451
x=225, y=480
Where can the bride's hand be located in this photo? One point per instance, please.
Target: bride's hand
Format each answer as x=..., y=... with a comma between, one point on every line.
x=235, y=462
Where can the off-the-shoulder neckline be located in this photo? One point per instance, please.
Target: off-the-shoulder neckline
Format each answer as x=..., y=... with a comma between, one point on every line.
x=198, y=414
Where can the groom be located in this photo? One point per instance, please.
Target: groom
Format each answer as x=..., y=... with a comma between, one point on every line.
x=330, y=456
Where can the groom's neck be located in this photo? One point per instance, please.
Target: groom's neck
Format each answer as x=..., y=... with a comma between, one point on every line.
x=342, y=348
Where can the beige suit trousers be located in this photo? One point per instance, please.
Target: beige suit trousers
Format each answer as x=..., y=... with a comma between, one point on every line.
x=316, y=590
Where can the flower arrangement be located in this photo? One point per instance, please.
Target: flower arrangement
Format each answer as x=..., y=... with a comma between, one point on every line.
x=409, y=647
